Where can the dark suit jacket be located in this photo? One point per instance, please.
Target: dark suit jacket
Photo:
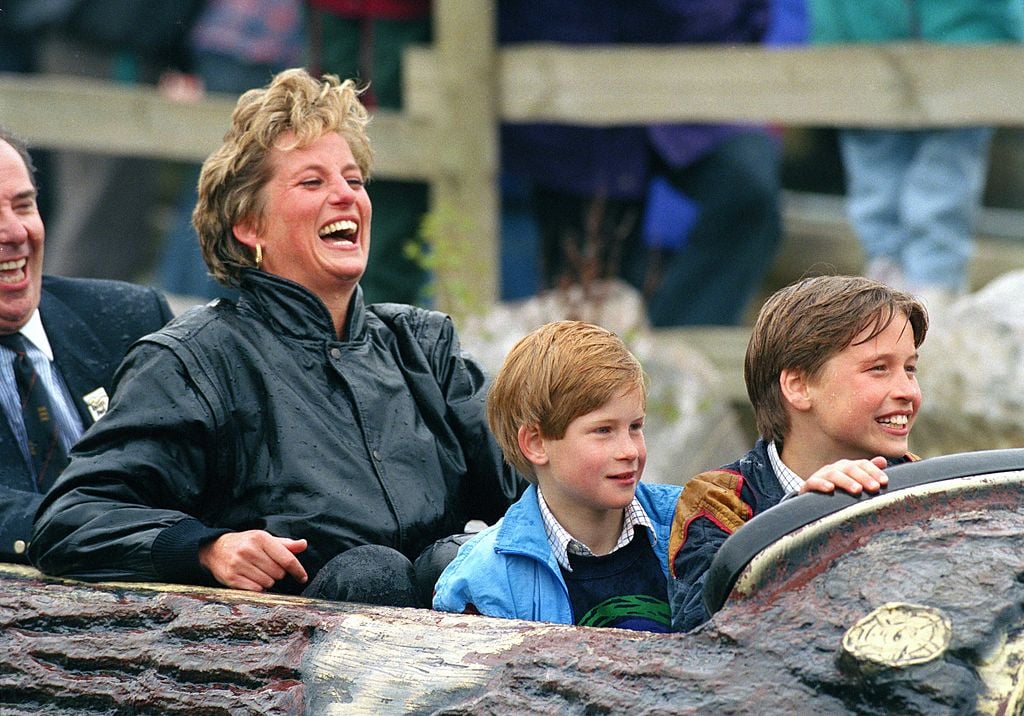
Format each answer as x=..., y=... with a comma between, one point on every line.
x=90, y=324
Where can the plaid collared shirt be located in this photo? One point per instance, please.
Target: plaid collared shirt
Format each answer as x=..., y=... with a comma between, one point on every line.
x=790, y=481
x=563, y=544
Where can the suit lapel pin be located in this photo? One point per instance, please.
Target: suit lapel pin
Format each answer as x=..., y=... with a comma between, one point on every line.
x=96, y=401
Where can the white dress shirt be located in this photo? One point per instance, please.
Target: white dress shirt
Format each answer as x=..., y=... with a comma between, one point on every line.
x=40, y=353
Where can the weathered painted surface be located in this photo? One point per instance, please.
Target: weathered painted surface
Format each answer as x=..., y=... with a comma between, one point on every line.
x=943, y=563
x=75, y=648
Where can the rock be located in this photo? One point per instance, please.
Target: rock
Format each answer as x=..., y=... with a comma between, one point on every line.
x=947, y=555
x=972, y=372
x=690, y=425
x=612, y=304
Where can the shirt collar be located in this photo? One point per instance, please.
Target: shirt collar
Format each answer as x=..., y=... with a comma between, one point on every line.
x=790, y=481
x=35, y=334
x=563, y=544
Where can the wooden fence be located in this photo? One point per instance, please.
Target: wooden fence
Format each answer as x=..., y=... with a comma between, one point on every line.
x=460, y=88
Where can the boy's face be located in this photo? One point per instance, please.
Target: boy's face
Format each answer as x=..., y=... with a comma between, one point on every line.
x=596, y=466
x=866, y=397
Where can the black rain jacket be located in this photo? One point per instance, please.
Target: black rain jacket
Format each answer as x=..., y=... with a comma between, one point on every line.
x=256, y=416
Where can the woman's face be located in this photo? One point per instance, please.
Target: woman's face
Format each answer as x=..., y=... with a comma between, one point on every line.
x=316, y=228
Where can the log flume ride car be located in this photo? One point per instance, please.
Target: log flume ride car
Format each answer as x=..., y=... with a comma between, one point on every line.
x=911, y=601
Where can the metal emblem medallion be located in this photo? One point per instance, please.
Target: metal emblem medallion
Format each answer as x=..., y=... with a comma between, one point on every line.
x=898, y=635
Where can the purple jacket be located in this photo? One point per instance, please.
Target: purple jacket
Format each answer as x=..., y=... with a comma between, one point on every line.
x=616, y=161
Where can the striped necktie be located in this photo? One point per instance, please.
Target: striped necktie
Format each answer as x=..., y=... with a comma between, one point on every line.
x=48, y=457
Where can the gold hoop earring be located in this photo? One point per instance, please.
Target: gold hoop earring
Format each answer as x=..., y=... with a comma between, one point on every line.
x=259, y=255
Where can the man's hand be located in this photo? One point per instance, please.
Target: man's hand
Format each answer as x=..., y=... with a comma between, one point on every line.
x=253, y=560
x=849, y=475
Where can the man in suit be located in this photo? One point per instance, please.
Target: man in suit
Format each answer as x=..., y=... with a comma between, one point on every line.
x=69, y=335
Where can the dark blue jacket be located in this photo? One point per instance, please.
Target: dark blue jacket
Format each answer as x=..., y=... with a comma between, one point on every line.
x=616, y=161
x=90, y=325
x=713, y=505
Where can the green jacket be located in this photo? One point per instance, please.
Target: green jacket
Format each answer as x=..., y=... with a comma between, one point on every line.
x=954, y=21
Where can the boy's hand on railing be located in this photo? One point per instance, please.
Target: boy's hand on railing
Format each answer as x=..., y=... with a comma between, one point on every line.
x=853, y=476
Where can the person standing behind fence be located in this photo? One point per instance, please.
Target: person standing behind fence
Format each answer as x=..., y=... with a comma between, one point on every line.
x=914, y=194
x=103, y=223
x=364, y=39
x=234, y=46
x=599, y=175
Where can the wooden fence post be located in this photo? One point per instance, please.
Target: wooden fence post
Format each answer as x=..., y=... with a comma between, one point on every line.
x=465, y=188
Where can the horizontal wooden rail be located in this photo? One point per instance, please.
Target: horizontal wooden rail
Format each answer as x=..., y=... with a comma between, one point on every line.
x=892, y=85
x=902, y=85
x=91, y=115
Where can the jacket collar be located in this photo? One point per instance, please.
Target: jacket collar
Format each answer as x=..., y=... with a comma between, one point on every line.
x=295, y=310
x=522, y=530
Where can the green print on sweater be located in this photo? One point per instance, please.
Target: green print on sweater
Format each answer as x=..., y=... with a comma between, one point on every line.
x=612, y=611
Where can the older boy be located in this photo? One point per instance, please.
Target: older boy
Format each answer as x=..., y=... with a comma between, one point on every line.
x=831, y=373
x=587, y=543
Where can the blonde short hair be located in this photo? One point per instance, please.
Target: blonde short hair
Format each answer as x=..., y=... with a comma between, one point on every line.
x=232, y=178
x=552, y=376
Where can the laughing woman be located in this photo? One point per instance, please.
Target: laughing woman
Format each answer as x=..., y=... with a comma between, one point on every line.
x=250, y=444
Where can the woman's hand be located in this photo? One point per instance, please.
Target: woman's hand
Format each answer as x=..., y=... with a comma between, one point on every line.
x=849, y=475
x=253, y=560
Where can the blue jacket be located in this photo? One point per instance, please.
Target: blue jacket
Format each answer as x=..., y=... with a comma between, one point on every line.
x=509, y=571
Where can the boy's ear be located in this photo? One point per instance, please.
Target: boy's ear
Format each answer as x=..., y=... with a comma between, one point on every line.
x=795, y=390
x=531, y=443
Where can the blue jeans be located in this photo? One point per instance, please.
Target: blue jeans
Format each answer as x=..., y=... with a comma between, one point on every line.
x=913, y=196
